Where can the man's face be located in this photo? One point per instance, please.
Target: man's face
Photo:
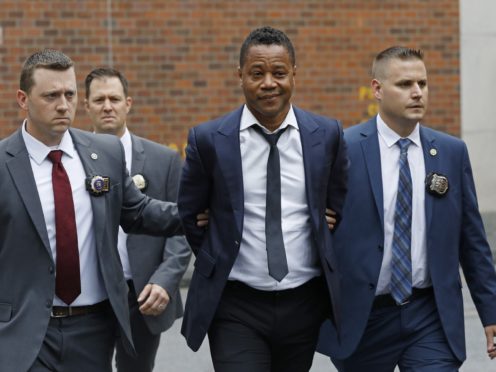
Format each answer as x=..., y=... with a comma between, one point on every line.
x=50, y=105
x=402, y=92
x=107, y=106
x=267, y=79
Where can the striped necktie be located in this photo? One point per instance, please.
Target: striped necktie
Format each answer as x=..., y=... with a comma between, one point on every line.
x=401, y=264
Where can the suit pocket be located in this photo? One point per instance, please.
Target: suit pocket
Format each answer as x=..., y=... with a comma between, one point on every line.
x=204, y=263
x=5, y=312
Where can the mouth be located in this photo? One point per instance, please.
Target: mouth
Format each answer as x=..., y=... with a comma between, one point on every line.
x=269, y=97
x=63, y=119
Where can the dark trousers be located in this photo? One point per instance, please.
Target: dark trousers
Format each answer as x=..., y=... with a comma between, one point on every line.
x=268, y=331
x=78, y=343
x=408, y=336
x=145, y=343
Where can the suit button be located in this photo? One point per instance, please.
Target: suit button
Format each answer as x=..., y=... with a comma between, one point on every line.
x=51, y=270
x=49, y=304
x=380, y=247
x=236, y=242
x=371, y=286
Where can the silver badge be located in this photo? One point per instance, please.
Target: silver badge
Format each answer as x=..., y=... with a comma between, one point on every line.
x=436, y=184
x=140, y=181
x=97, y=185
x=433, y=152
x=94, y=156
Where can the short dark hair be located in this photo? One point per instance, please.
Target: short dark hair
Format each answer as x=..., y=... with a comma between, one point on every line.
x=105, y=72
x=50, y=59
x=266, y=36
x=395, y=52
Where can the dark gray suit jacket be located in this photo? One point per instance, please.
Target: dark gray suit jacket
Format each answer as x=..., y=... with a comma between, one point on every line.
x=27, y=269
x=164, y=260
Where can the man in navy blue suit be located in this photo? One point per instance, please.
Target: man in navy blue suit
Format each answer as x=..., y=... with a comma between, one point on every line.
x=410, y=219
x=265, y=276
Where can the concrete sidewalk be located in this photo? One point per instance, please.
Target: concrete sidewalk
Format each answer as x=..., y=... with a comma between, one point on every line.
x=175, y=356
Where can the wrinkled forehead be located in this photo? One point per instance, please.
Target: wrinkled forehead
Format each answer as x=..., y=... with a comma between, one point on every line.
x=106, y=85
x=263, y=54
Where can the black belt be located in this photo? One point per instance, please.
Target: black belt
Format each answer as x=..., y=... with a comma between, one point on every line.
x=387, y=300
x=313, y=284
x=65, y=311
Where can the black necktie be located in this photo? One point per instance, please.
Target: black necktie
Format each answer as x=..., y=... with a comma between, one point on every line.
x=276, y=254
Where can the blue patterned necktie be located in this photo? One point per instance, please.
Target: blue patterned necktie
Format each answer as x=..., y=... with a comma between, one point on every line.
x=276, y=253
x=401, y=264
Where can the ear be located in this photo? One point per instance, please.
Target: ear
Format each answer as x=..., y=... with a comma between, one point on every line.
x=129, y=104
x=86, y=105
x=240, y=75
x=22, y=99
x=376, y=89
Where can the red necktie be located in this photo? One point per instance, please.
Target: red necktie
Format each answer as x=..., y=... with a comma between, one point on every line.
x=67, y=280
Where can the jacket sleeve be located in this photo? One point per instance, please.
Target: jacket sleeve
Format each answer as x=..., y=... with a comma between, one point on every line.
x=338, y=177
x=177, y=253
x=475, y=254
x=194, y=191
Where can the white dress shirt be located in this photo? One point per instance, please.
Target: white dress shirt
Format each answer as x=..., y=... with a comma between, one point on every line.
x=250, y=266
x=92, y=288
x=122, y=237
x=390, y=154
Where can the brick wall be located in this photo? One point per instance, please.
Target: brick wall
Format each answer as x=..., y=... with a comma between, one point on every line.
x=181, y=56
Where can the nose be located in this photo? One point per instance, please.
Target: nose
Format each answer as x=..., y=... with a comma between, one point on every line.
x=63, y=105
x=107, y=106
x=268, y=81
x=416, y=91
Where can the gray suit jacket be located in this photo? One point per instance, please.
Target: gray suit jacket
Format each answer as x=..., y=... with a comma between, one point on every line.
x=27, y=269
x=164, y=260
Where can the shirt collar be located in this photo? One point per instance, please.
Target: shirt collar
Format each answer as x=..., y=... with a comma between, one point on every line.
x=38, y=151
x=126, y=139
x=248, y=119
x=390, y=137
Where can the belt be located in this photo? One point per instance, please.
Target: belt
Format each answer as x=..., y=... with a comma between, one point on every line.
x=315, y=283
x=65, y=311
x=387, y=300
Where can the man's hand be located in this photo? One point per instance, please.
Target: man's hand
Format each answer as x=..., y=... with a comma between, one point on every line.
x=330, y=216
x=202, y=219
x=153, y=299
x=490, y=334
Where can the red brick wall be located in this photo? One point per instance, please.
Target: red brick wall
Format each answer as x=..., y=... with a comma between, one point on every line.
x=181, y=56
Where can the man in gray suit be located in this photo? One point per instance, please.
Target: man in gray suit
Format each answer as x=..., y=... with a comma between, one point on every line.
x=63, y=194
x=153, y=274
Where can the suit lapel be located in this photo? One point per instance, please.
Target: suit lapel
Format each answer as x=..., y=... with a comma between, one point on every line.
x=19, y=167
x=431, y=165
x=372, y=156
x=227, y=147
x=313, y=149
x=87, y=155
x=138, y=156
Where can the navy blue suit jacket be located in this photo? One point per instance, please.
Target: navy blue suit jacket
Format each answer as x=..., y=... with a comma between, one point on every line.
x=212, y=178
x=454, y=231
